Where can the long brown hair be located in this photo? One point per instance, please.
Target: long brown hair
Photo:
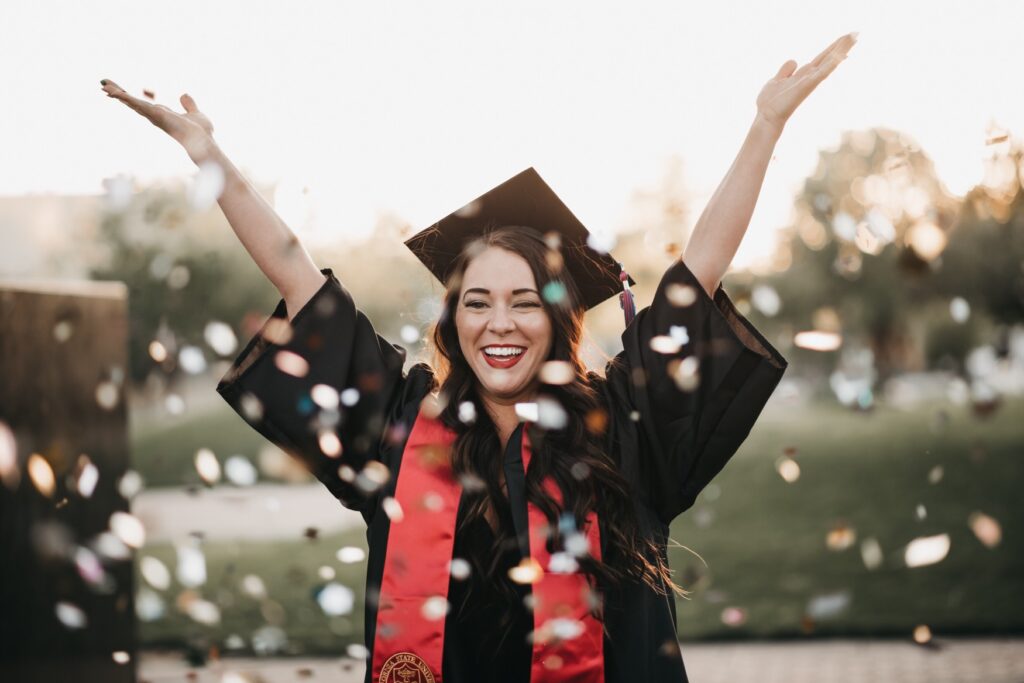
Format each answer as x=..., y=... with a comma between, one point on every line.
x=574, y=456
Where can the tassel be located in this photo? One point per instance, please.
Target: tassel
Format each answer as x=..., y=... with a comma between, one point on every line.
x=626, y=300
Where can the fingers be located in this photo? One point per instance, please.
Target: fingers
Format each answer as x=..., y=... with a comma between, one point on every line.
x=786, y=70
x=189, y=103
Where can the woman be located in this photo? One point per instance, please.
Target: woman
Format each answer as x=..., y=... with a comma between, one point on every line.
x=517, y=505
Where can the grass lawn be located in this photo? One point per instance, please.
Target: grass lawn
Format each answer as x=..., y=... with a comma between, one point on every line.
x=763, y=539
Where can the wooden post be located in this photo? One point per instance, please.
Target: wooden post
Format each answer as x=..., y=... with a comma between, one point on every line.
x=63, y=374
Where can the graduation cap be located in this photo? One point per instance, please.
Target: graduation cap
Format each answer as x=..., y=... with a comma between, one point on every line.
x=525, y=200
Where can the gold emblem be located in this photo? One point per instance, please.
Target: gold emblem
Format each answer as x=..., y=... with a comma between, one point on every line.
x=405, y=667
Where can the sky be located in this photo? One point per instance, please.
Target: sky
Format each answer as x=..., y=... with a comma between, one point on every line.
x=415, y=108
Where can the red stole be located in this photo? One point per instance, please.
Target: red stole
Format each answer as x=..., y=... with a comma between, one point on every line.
x=409, y=639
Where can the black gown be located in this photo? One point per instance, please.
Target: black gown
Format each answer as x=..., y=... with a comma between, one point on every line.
x=668, y=444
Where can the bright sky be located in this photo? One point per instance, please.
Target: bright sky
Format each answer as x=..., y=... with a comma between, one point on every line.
x=417, y=107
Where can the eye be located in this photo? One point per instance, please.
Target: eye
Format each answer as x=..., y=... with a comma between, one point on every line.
x=529, y=304
x=475, y=304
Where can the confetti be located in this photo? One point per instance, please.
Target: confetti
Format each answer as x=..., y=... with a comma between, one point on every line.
x=220, y=337
x=254, y=587
x=926, y=550
x=680, y=295
x=959, y=309
x=527, y=411
x=685, y=372
x=86, y=477
x=191, y=570
x=130, y=484
x=871, y=553
x=206, y=186
x=63, y=330
x=459, y=568
x=107, y=395
x=828, y=606
x=409, y=334
x=434, y=608
x=175, y=404
x=665, y=344
x=148, y=605
x=351, y=554
x=563, y=563
x=120, y=657
x=373, y=475
x=277, y=331
x=557, y=372
x=818, y=340
x=554, y=292
x=550, y=413
x=528, y=571
x=192, y=360
x=840, y=537
x=128, y=528
x=291, y=363
x=330, y=444
x=157, y=351
x=788, y=469
x=41, y=474
x=204, y=612
x=207, y=466
x=926, y=239
x=10, y=475
x=392, y=508
x=70, y=615
x=325, y=396
x=766, y=300
x=155, y=573
x=601, y=242
x=734, y=616
x=335, y=599
x=350, y=397
x=326, y=573
x=240, y=471
x=986, y=528
x=922, y=634
x=467, y=412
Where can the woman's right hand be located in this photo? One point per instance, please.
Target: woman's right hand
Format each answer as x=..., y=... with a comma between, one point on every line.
x=191, y=129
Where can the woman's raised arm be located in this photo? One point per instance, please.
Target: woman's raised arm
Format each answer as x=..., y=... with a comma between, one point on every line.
x=270, y=242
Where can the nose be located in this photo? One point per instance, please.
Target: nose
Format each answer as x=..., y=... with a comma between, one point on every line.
x=500, y=322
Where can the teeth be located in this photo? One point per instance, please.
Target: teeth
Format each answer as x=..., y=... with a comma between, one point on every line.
x=503, y=352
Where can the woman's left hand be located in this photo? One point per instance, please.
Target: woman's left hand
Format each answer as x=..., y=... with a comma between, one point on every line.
x=780, y=96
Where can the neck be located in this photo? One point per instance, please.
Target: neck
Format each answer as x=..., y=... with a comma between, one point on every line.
x=503, y=414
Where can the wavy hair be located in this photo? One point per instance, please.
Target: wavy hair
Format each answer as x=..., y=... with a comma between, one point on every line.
x=574, y=455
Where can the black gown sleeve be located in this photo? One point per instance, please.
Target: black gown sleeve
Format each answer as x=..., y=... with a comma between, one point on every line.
x=343, y=351
x=692, y=428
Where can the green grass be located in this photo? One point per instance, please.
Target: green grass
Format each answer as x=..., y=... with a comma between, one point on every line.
x=765, y=546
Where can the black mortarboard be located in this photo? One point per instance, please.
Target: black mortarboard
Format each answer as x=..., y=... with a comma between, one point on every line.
x=526, y=200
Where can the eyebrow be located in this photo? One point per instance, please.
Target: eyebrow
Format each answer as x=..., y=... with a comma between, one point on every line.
x=481, y=290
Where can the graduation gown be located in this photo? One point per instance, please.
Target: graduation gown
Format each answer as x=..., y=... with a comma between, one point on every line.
x=667, y=443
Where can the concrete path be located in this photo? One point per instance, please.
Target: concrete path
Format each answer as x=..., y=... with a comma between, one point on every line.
x=254, y=513
x=947, y=660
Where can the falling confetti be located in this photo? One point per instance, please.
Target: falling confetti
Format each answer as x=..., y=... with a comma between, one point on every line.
x=220, y=337
x=128, y=528
x=326, y=573
x=467, y=412
x=527, y=411
x=157, y=351
x=107, y=395
x=207, y=185
x=191, y=571
x=828, y=606
x=86, y=477
x=277, y=331
x=557, y=372
x=664, y=343
x=459, y=568
x=601, y=242
x=959, y=309
x=840, y=537
x=787, y=468
x=330, y=444
x=871, y=553
x=734, y=616
x=554, y=292
x=922, y=635
x=335, y=599
x=41, y=474
x=148, y=605
x=325, y=396
x=254, y=587
x=70, y=615
x=10, y=475
x=240, y=471
x=291, y=363
x=120, y=657
x=207, y=466
x=392, y=508
x=373, y=475
x=680, y=295
x=562, y=563
x=350, y=397
x=175, y=404
x=434, y=608
x=204, y=612
x=551, y=414
x=155, y=573
x=63, y=330
x=986, y=528
x=817, y=340
x=130, y=484
x=926, y=550
x=192, y=360
x=528, y=571
x=351, y=554
x=685, y=372
x=409, y=334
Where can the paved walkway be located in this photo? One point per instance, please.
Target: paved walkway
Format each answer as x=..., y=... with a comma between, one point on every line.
x=947, y=660
x=253, y=513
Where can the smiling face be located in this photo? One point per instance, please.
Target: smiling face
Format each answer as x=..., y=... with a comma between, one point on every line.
x=500, y=309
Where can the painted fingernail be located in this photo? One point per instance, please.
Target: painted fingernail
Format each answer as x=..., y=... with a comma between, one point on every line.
x=103, y=81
